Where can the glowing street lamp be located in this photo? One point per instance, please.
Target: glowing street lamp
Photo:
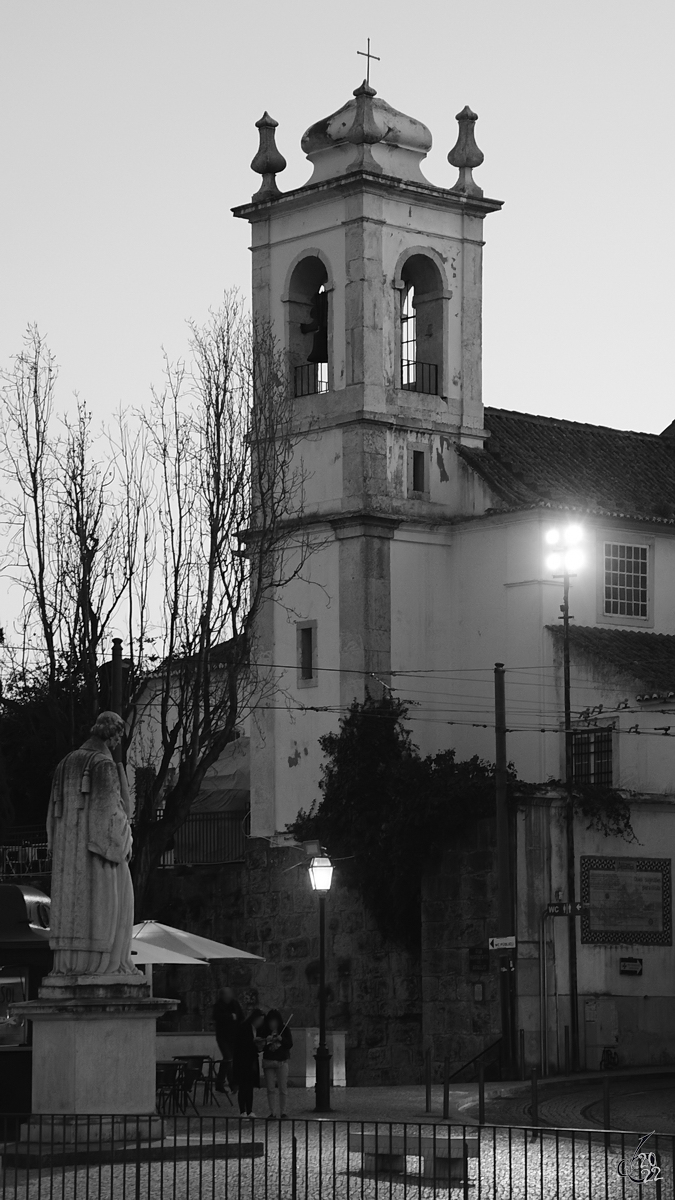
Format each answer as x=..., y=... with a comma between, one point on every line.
x=320, y=876
x=566, y=557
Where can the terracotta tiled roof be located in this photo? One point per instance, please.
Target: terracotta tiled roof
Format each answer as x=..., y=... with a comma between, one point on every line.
x=529, y=461
x=648, y=658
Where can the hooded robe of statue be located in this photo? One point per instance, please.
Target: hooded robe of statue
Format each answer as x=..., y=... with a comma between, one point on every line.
x=89, y=833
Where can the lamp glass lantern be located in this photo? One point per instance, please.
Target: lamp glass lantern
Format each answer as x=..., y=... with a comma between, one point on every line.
x=321, y=873
x=566, y=556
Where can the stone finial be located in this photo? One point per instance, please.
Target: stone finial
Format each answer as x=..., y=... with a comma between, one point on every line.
x=268, y=161
x=465, y=153
x=364, y=129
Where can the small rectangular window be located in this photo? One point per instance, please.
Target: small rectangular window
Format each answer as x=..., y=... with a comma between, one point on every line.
x=592, y=757
x=306, y=639
x=626, y=576
x=307, y=656
x=418, y=471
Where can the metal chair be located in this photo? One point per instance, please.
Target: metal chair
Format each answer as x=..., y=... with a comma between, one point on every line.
x=210, y=1081
x=189, y=1076
x=166, y=1087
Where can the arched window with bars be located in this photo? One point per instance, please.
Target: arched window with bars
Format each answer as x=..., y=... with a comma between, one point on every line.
x=308, y=327
x=421, y=326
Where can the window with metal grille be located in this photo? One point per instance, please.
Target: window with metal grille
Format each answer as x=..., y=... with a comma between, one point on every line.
x=592, y=757
x=415, y=376
x=311, y=379
x=409, y=340
x=626, y=580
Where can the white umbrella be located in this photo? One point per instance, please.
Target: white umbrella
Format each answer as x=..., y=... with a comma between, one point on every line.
x=167, y=939
x=144, y=953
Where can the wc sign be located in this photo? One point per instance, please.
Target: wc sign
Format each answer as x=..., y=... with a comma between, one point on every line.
x=630, y=966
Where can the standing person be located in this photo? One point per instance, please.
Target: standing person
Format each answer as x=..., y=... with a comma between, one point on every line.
x=227, y=1016
x=246, y=1061
x=276, y=1053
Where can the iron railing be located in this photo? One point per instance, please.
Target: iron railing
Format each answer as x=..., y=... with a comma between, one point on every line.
x=195, y=1158
x=204, y=839
x=208, y=838
x=419, y=377
x=24, y=851
x=311, y=379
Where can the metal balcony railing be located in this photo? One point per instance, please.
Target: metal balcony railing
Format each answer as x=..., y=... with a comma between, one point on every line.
x=311, y=379
x=419, y=377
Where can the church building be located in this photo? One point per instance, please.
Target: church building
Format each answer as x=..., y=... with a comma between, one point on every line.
x=434, y=520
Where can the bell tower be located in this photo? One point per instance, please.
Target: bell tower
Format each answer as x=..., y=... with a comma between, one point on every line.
x=370, y=278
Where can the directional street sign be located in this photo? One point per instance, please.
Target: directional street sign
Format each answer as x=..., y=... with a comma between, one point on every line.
x=630, y=966
x=561, y=908
x=502, y=943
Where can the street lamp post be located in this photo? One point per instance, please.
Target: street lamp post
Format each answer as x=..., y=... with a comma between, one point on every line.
x=321, y=874
x=565, y=559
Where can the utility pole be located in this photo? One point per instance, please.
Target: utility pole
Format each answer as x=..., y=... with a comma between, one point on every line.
x=505, y=915
x=569, y=782
x=322, y=1055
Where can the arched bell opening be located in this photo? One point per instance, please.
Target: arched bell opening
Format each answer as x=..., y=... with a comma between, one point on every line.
x=421, y=326
x=308, y=315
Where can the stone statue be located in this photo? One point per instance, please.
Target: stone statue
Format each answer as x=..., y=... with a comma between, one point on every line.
x=89, y=835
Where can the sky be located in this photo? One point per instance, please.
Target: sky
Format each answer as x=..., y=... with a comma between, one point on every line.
x=127, y=130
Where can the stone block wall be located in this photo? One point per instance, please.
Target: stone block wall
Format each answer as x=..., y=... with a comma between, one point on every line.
x=391, y=1004
x=266, y=906
x=458, y=912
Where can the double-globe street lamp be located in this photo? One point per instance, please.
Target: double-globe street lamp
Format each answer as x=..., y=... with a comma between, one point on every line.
x=566, y=557
x=320, y=875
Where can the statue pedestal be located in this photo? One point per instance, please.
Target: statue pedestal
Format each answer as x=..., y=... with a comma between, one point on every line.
x=94, y=1045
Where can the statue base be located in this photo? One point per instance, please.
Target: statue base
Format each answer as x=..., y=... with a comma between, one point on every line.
x=94, y=1045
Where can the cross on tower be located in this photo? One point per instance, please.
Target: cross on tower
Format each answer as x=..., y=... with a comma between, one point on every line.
x=368, y=55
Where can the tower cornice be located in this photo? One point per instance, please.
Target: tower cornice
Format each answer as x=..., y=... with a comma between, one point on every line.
x=366, y=181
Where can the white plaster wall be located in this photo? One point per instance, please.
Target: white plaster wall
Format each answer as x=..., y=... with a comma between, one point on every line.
x=475, y=593
x=289, y=766
x=318, y=461
x=644, y=1009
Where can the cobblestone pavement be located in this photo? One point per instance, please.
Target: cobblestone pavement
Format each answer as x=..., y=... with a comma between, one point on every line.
x=640, y=1103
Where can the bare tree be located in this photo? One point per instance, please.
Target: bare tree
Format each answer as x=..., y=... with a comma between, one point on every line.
x=76, y=520
x=229, y=503
x=176, y=527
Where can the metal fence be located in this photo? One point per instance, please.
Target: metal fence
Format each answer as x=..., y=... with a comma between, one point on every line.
x=205, y=838
x=149, y=1158
x=24, y=851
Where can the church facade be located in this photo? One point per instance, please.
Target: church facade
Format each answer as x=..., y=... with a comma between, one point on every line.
x=434, y=519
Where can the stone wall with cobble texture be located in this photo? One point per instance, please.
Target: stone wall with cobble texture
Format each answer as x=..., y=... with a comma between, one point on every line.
x=265, y=905
x=459, y=911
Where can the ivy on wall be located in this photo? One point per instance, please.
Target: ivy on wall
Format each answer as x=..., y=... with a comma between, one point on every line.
x=606, y=809
x=386, y=813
